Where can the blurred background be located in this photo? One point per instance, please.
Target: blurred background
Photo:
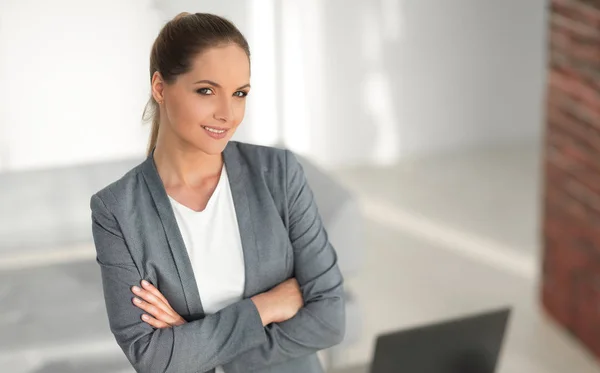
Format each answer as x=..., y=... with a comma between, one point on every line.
x=463, y=136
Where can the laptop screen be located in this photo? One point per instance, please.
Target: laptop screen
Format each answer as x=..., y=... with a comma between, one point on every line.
x=467, y=345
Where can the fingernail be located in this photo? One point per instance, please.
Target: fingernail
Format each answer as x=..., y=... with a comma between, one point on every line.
x=146, y=283
x=136, y=300
x=135, y=288
x=145, y=317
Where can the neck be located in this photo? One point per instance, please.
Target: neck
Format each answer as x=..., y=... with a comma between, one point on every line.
x=185, y=166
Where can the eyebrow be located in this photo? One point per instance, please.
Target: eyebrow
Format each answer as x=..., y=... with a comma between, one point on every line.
x=218, y=85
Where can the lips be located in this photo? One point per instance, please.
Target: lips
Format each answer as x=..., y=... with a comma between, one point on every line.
x=215, y=129
x=215, y=132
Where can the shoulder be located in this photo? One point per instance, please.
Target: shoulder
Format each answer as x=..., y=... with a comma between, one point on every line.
x=258, y=154
x=117, y=190
x=275, y=167
x=267, y=158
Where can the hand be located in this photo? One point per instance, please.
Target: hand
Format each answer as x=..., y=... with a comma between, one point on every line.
x=160, y=313
x=280, y=303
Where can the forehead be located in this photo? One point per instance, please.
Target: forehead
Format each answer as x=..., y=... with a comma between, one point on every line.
x=226, y=65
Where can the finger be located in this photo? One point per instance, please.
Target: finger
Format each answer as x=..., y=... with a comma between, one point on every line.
x=179, y=321
x=154, y=322
x=152, y=299
x=154, y=311
x=160, y=315
x=154, y=291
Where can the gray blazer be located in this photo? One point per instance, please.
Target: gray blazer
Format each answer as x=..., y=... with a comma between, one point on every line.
x=137, y=237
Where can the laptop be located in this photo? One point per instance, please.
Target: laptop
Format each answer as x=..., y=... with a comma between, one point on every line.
x=469, y=344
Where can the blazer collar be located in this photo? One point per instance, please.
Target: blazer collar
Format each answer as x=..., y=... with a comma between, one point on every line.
x=239, y=181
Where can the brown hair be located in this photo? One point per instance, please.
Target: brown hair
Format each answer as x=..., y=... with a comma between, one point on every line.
x=177, y=43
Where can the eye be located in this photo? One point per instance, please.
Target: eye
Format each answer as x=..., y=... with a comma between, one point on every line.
x=241, y=94
x=205, y=91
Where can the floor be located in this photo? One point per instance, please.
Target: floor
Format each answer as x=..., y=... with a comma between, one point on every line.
x=446, y=236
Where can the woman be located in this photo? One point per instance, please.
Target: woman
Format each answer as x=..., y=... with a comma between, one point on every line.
x=213, y=254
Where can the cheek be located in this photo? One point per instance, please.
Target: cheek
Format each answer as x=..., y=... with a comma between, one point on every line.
x=190, y=111
x=239, y=111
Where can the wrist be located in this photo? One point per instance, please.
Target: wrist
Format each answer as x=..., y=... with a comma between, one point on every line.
x=263, y=306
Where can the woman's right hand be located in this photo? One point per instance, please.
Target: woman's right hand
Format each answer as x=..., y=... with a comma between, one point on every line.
x=280, y=303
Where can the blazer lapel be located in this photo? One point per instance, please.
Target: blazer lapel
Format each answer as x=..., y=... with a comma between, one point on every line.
x=241, y=187
x=241, y=191
x=176, y=243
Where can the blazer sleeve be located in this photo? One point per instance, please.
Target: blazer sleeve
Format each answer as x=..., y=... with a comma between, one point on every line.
x=197, y=346
x=321, y=322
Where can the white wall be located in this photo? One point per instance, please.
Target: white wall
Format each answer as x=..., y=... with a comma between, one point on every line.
x=3, y=122
x=345, y=81
x=404, y=78
x=75, y=80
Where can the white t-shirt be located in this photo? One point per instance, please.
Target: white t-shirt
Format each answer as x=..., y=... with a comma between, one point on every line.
x=212, y=240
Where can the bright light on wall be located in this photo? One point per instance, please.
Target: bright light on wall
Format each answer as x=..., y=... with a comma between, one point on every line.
x=296, y=132
x=376, y=86
x=263, y=100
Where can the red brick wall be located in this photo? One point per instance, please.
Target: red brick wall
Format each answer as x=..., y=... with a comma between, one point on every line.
x=571, y=260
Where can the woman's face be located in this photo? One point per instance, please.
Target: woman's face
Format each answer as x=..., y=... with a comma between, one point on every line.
x=204, y=107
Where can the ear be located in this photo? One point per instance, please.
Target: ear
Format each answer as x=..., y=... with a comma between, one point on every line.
x=158, y=86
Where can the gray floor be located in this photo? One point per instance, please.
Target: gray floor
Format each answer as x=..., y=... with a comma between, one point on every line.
x=447, y=236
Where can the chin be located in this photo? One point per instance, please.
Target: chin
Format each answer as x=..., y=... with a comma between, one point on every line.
x=213, y=147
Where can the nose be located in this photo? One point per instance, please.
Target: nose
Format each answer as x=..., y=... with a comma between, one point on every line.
x=224, y=110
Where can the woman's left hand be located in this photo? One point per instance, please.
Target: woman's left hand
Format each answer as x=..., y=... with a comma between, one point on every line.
x=159, y=312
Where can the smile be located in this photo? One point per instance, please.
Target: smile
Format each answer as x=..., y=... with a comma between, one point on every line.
x=214, y=130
